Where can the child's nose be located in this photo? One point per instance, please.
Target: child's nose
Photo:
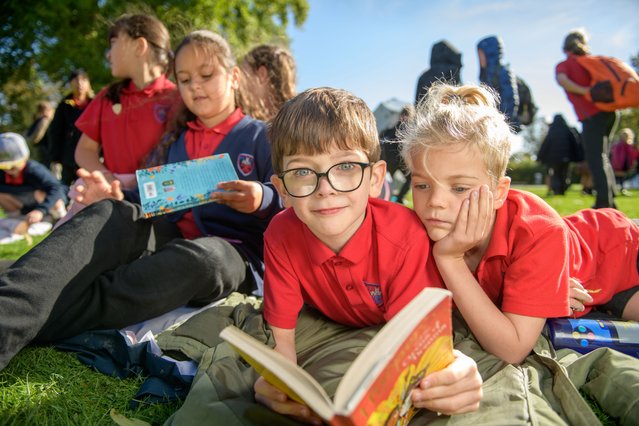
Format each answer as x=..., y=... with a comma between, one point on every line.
x=324, y=187
x=436, y=198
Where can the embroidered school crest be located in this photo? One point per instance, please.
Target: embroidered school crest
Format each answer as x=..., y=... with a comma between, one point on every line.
x=161, y=112
x=376, y=293
x=246, y=163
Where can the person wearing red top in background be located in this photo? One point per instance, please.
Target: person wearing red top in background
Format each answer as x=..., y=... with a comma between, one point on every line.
x=63, y=135
x=598, y=126
x=509, y=259
x=126, y=120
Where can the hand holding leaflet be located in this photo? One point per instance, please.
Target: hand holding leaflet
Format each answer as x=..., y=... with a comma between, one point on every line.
x=177, y=186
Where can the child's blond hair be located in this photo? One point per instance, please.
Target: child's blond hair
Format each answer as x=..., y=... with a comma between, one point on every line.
x=466, y=115
x=317, y=120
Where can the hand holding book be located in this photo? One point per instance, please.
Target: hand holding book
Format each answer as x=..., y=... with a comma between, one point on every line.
x=241, y=195
x=392, y=376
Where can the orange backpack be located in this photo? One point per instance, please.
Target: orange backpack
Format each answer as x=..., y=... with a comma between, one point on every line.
x=614, y=84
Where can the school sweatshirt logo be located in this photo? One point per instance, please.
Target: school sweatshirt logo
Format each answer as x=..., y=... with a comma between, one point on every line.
x=376, y=293
x=161, y=112
x=246, y=164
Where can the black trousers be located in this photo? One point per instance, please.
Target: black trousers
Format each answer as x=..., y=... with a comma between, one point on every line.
x=597, y=134
x=109, y=267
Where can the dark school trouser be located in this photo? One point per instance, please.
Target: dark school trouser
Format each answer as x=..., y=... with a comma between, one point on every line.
x=597, y=131
x=109, y=267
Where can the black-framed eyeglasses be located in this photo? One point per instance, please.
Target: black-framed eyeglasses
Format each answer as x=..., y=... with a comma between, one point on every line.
x=343, y=177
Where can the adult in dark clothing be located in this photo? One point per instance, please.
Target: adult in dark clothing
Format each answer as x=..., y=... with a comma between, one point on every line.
x=63, y=135
x=445, y=64
x=498, y=76
x=598, y=126
x=37, y=133
x=559, y=148
x=391, y=152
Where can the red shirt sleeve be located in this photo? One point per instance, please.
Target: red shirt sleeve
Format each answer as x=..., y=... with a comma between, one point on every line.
x=91, y=119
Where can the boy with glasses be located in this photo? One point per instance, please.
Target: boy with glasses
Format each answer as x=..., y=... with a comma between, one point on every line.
x=355, y=259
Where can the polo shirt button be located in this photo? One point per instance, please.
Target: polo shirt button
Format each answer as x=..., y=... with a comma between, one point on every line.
x=338, y=262
x=349, y=287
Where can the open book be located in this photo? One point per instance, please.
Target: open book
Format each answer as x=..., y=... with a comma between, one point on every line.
x=376, y=389
x=177, y=186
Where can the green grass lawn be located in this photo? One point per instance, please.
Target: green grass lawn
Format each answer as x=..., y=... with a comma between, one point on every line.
x=42, y=386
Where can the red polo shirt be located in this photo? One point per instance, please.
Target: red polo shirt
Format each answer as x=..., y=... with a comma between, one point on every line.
x=383, y=266
x=525, y=268
x=129, y=130
x=578, y=74
x=533, y=252
x=603, y=247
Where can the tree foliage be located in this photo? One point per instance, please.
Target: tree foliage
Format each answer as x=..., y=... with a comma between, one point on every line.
x=41, y=41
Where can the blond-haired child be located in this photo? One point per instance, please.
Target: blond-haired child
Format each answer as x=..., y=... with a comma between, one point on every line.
x=509, y=259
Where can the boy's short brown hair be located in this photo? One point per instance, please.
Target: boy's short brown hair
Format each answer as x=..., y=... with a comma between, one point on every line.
x=316, y=119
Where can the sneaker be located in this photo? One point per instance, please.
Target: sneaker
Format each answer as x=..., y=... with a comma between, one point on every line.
x=40, y=228
x=11, y=239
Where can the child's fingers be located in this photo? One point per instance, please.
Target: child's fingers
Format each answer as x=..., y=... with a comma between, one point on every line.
x=473, y=213
x=485, y=211
x=461, y=224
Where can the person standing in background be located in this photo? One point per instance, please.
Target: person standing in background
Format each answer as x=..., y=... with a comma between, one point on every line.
x=497, y=75
x=445, y=64
x=36, y=135
x=598, y=126
x=63, y=135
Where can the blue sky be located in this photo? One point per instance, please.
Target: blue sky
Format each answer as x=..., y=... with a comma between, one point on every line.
x=378, y=48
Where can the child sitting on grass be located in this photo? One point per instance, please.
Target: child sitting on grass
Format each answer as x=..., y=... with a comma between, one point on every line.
x=355, y=259
x=28, y=190
x=509, y=259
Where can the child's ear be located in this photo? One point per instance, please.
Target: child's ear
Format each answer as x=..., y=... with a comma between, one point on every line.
x=501, y=192
x=378, y=176
x=279, y=186
x=235, y=78
x=141, y=46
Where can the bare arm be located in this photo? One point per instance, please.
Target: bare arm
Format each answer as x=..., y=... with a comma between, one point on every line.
x=571, y=86
x=508, y=336
x=87, y=155
x=274, y=398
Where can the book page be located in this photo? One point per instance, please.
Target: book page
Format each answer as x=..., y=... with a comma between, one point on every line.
x=182, y=185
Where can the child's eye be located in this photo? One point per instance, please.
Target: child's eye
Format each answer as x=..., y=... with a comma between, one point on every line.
x=184, y=81
x=345, y=167
x=302, y=172
x=460, y=189
x=207, y=76
x=421, y=186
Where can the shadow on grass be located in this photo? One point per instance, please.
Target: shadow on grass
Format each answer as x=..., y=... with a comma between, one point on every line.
x=42, y=386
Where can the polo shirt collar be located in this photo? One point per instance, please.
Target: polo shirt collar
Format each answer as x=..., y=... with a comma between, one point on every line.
x=355, y=249
x=222, y=128
x=158, y=85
